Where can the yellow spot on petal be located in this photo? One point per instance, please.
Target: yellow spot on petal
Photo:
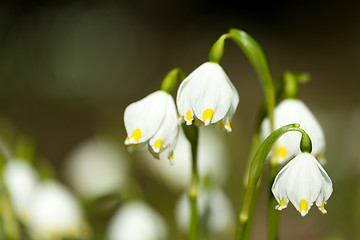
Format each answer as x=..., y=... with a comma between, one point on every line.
x=158, y=144
x=172, y=156
x=188, y=116
x=136, y=135
x=127, y=139
x=303, y=206
x=228, y=125
x=207, y=116
x=322, y=206
x=281, y=152
x=282, y=203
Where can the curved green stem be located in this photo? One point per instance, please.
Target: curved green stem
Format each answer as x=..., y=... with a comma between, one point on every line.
x=192, y=133
x=254, y=174
x=169, y=82
x=257, y=58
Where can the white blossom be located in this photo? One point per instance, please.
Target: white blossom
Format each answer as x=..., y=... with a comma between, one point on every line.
x=21, y=179
x=97, y=167
x=154, y=119
x=302, y=181
x=287, y=146
x=208, y=95
x=55, y=213
x=137, y=221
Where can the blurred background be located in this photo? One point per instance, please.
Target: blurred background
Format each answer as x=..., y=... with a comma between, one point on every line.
x=68, y=69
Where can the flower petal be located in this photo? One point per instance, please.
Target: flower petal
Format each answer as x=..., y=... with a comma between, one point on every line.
x=168, y=132
x=210, y=92
x=143, y=118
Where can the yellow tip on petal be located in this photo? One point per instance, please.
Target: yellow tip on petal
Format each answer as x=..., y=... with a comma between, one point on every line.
x=207, y=116
x=136, y=135
x=282, y=203
x=323, y=210
x=228, y=126
x=281, y=152
x=188, y=116
x=158, y=144
x=303, y=207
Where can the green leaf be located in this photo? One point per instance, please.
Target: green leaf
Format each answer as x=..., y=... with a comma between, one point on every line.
x=257, y=58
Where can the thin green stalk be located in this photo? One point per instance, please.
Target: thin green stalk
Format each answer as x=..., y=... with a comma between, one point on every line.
x=254, y=175
x=192, y=133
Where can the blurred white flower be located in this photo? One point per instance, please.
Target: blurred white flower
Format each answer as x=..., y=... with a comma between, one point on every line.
x=213, y=160
x=303, y=181
x=137, y=221
x=97, y=167
x=287, y=146
x=21, y=180
x=208, y=94
x=214, y=209
x=153, y=118
x=55, y=214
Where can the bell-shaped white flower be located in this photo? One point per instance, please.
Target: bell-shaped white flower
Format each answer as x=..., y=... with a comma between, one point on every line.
x=287, y=146
x=302, y=181
x=208, y=95
x=154, y=119
x=55, y=213
x=137, y=221
x=21, y=180
x=97, y=167
x=214, y=209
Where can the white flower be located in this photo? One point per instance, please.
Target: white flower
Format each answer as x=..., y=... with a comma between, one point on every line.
x=55, y=213
x=287, y=146
x=153, y=118
x=303, y=181
x=137, y=221
x=21, y=180
x=97, y=167
x=214, y=209
x=207, y=94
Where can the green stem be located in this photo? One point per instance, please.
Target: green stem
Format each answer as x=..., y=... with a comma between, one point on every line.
x=192, y=133
x=254, y=175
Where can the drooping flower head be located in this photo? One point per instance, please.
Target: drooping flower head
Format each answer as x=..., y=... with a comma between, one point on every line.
x=207, y=94
x=302, y=181
x=287, y=146
x=154, y=119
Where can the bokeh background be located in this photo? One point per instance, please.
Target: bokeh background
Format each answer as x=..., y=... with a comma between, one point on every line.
x=68, y=69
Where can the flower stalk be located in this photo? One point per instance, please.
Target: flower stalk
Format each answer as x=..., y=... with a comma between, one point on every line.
x=192, y=134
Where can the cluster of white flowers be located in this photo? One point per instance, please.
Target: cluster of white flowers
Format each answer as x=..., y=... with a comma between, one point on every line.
x=303, y=180
x=206, y=95
x=47, y=209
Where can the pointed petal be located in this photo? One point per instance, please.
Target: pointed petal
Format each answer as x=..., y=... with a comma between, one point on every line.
x=169, y=129
x=143, y=118
x=211, y=90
